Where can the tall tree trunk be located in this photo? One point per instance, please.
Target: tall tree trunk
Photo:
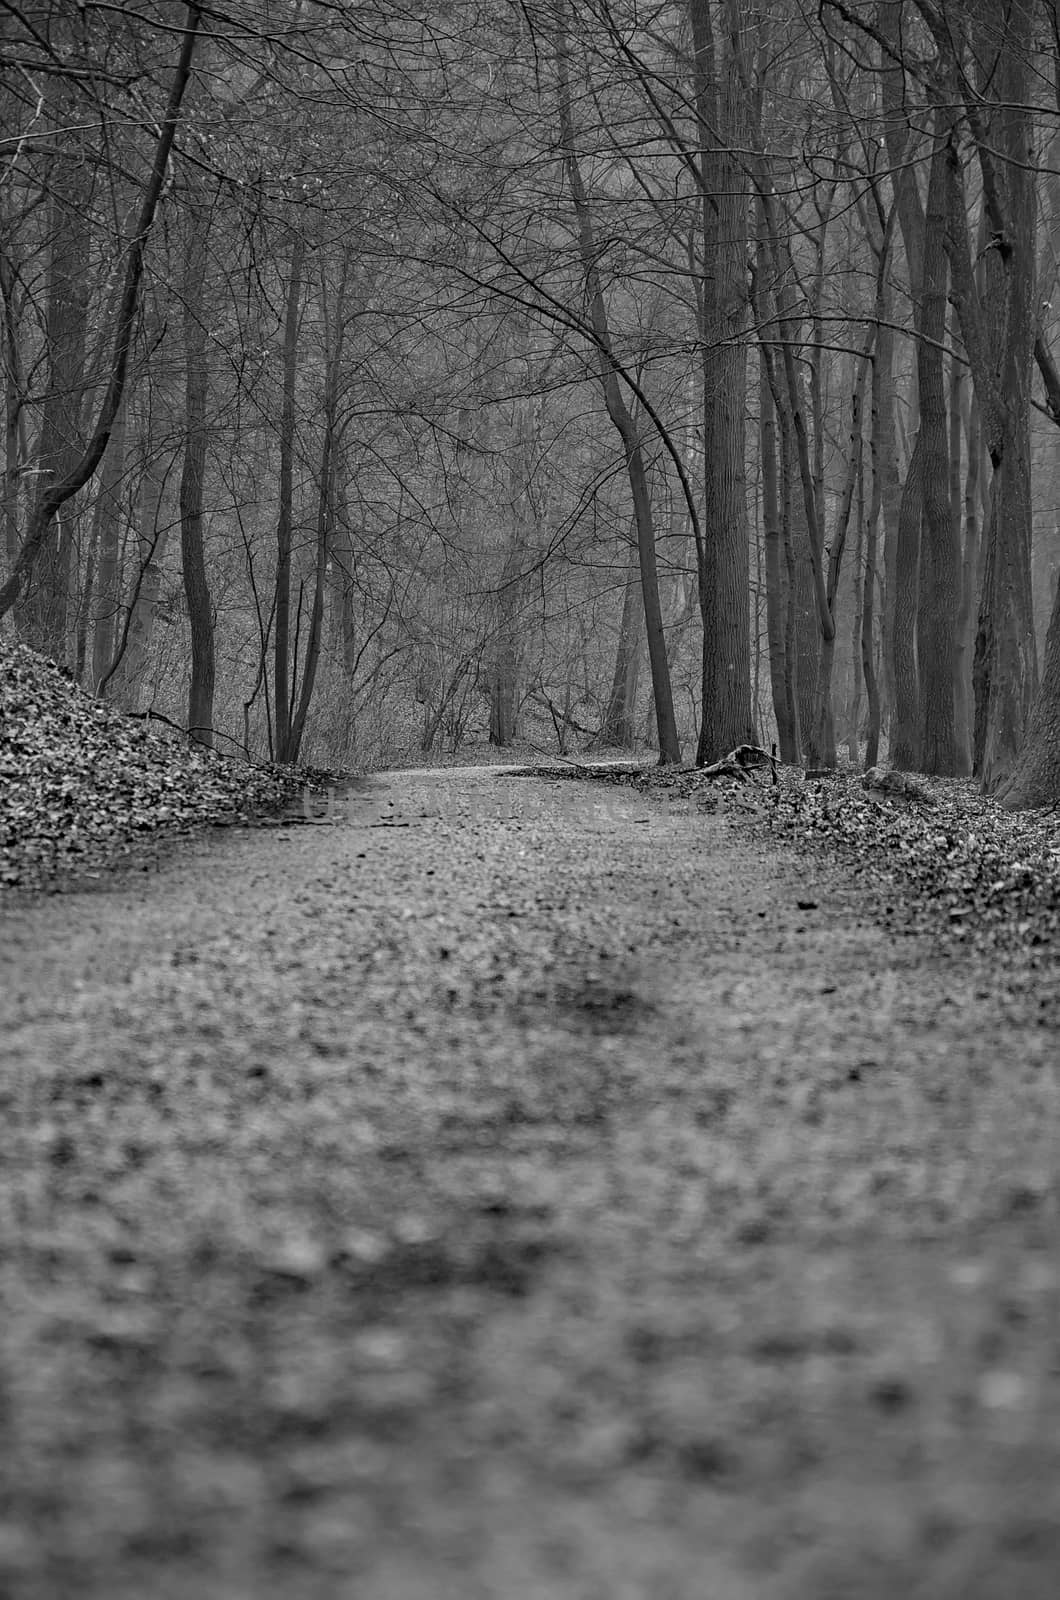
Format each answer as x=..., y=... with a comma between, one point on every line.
x=883, y=507
x=192, y=549
x=722, y=115
x=123, y=680
x=296, y=731
x=107, y=603
x=505, y=657
x=885, y=465
x=971, y=572
x=344, y=589
x=335, y=334
x=940, y=549
x=998, y=331
x=618, y=728
x=283, y=689
x=622, y=421
x=905, y=724
x=58, y=493
x=902, y=509
x=42, y=614
x=788, y=498
x=814, y=620
x=822, y=750
x=962, y=704
x=1035, y=778
x=868, y=600
x=780, y=674
x=16, y=451
x=857, y=595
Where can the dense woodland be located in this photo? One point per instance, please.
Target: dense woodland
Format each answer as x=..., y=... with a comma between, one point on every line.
x=383, y=377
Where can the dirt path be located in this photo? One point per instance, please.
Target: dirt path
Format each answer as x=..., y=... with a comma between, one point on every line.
x=509, y=1193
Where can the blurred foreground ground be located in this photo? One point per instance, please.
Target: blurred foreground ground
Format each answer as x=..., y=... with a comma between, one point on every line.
x=516, y=1192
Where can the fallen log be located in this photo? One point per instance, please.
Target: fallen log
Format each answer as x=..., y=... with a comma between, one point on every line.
x=742, y=761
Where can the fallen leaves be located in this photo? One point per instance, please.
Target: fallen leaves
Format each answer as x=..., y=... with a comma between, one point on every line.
x=82, y=785
x=946, y=851
x=938, y=848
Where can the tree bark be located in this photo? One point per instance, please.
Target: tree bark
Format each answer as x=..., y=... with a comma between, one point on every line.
x=961, y=660
x=618, y=412
x=106, y=604
x=16, y=451
x=42, y=614
x=344, y=588
x=939, y=752
x=283, y=690
x=335, y=334
x=868, y=591
x=905, y=725
x=505, y=656
x=885, y=465
x=1034, y=780
x=619, y=728
x=58, y=493
x=821, y=745
x=780, y=669
x=192, y=549
x=970, y=574
x=722, y=117
x=998, y=331
x=124, y=677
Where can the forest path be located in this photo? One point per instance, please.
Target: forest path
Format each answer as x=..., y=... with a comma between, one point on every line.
x=518, y=1191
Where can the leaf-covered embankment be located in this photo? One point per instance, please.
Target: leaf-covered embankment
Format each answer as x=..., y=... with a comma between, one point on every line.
x=937, y=852
x=82, y=785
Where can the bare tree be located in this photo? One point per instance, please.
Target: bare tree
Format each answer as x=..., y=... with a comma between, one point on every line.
x=79, y=471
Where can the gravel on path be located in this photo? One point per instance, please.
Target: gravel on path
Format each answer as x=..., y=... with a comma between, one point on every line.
x=506, y=1189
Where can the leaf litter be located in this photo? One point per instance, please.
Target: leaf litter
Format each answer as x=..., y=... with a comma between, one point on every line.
x=82, y=785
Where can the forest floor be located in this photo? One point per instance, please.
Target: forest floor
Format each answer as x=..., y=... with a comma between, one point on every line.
x=515, y=1188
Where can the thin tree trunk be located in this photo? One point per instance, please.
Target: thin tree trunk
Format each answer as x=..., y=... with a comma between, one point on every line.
x=343, y=581
x=618, y=412
x=127, y=670
x=971, y=574
x=810, y=581
x=296, y=732
x=15, y=445
x=885, y=450
x=787, y=502
x=107, y=604
x=857, y=593
x=962, y=706
x=884, y=499
x=940, y=549
x=618, y=728
x=58, y=493
x=86, y=603
x=776, y=573
x=43, y=612
x=282, y=687
x=505, y=662
x=822, y=751
x=868, y=603
x=192, y=549
x=905, y=725
x=504, y=656
x=325, y=509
